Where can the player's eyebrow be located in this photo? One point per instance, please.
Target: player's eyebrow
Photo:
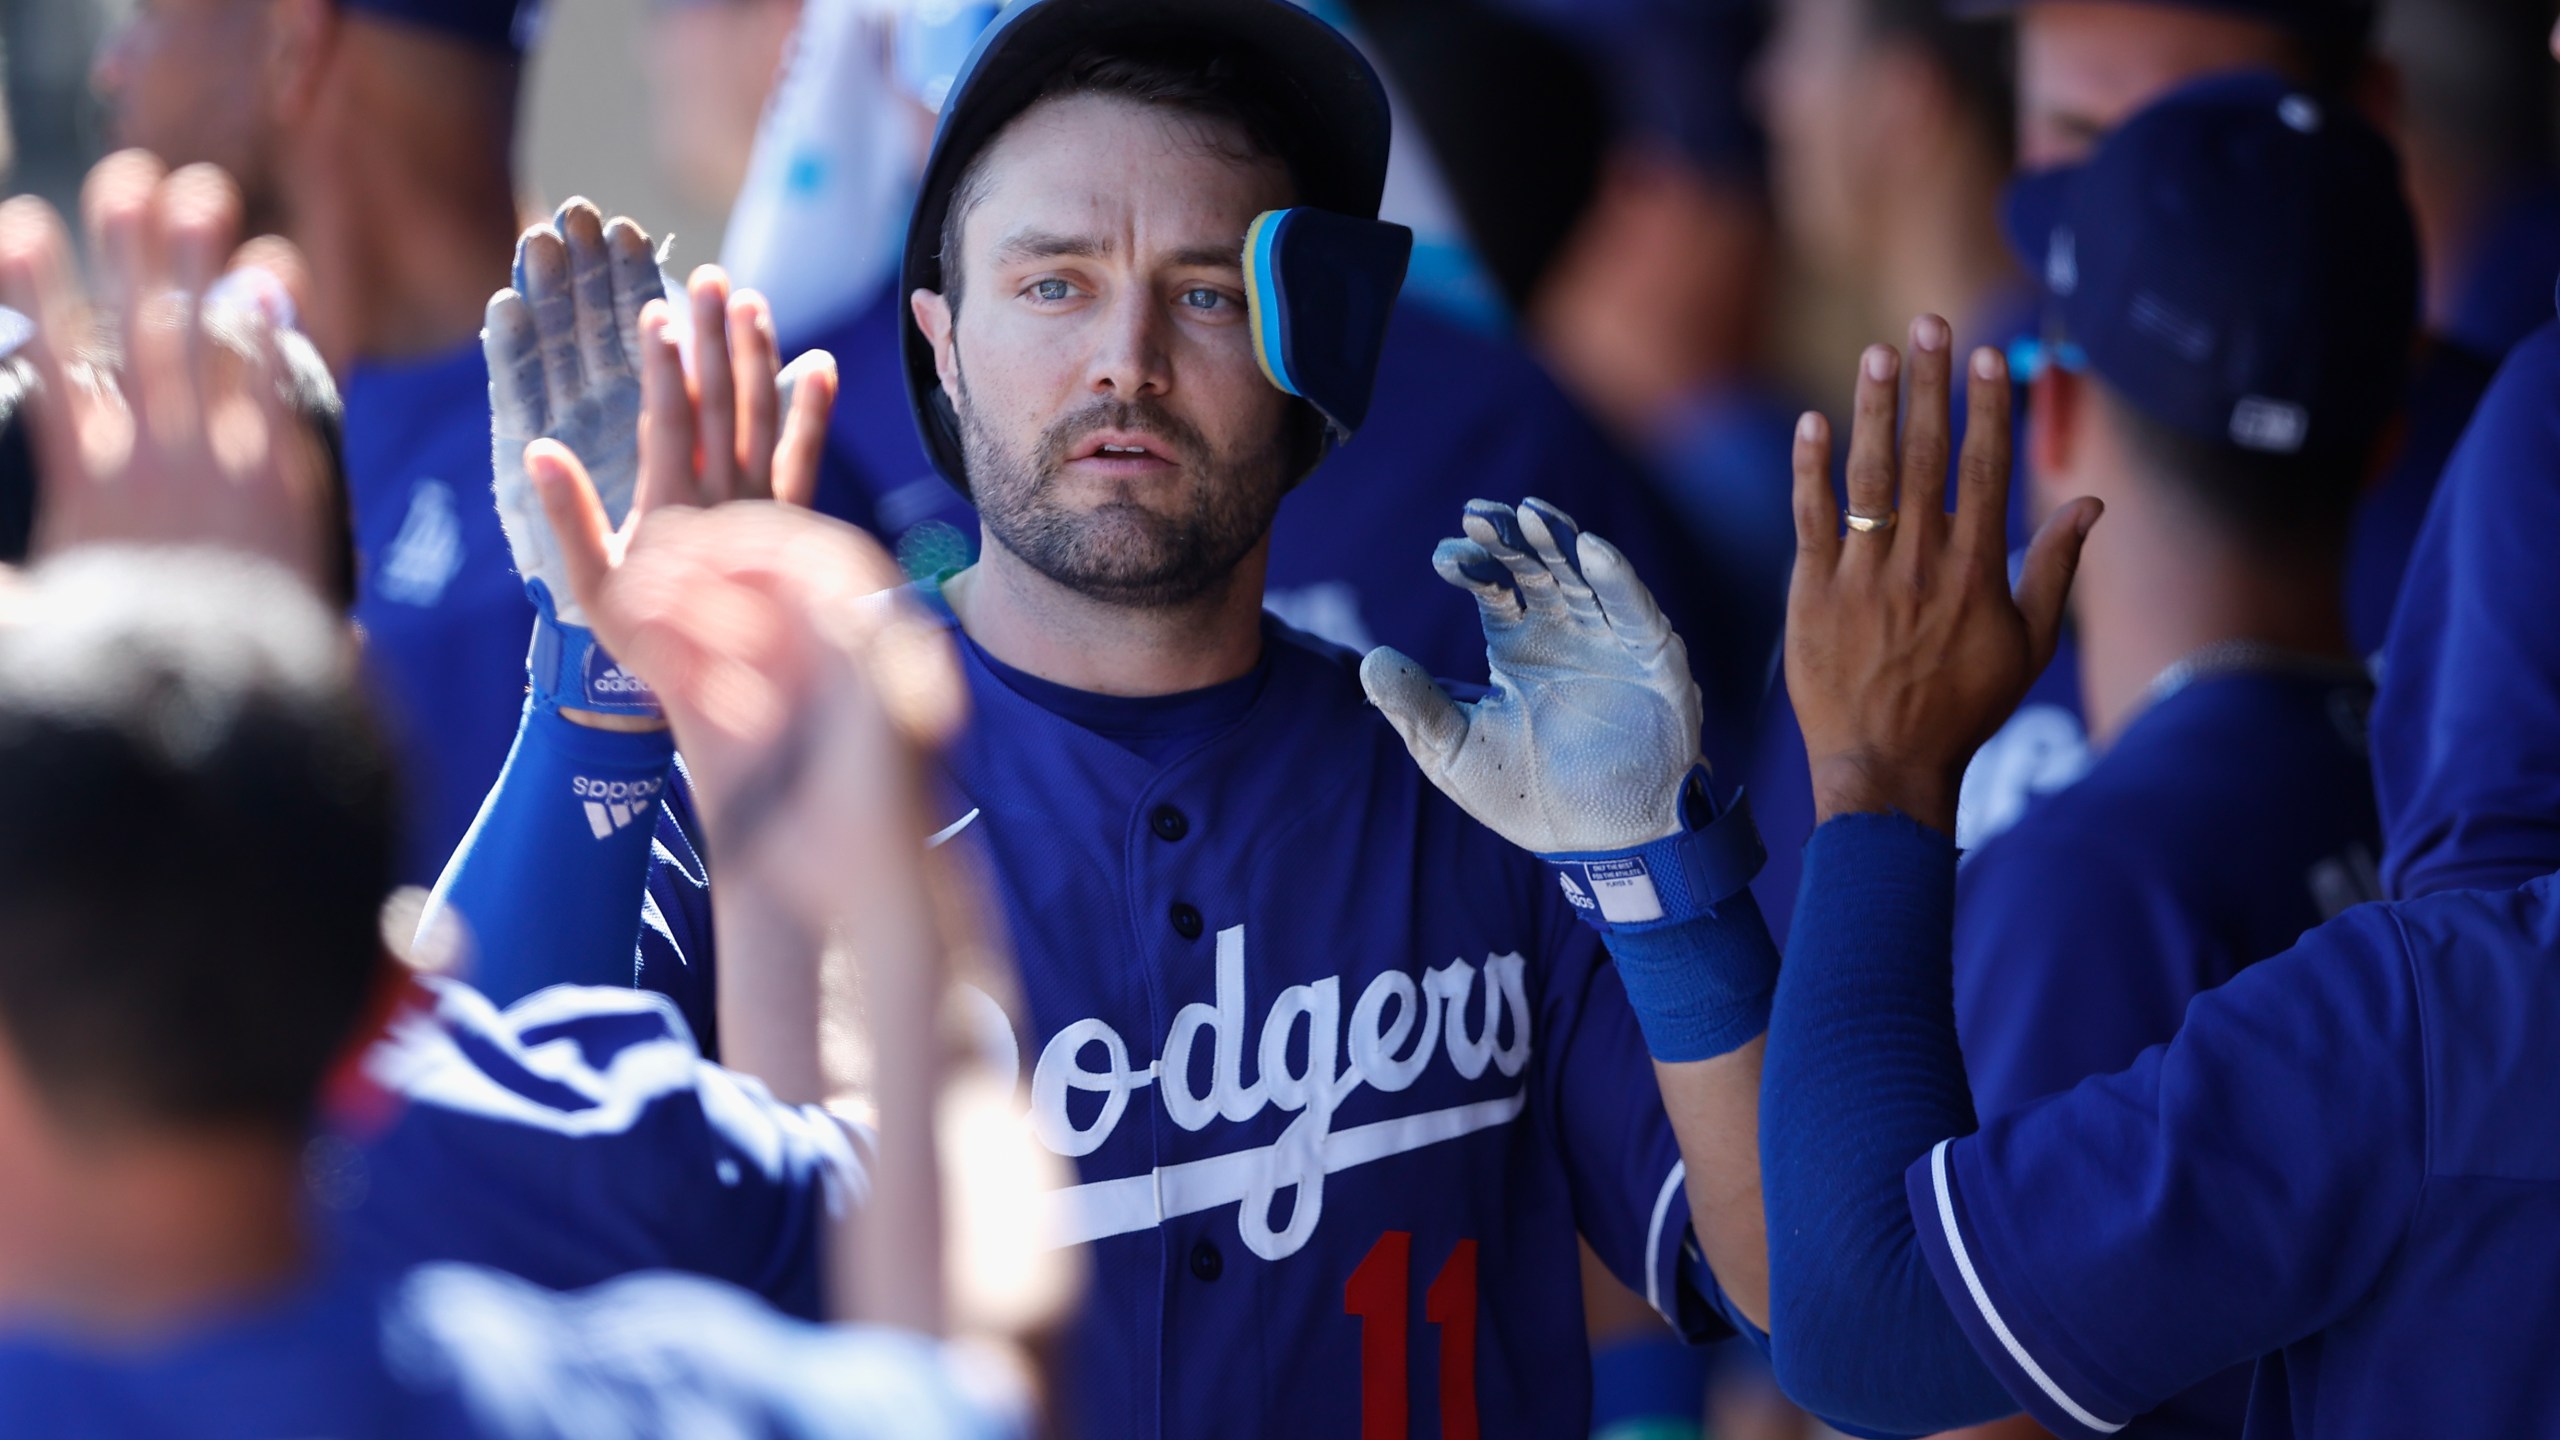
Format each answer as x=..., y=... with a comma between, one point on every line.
x=1211, y=257
x=1049, y=245
x=1024, y=245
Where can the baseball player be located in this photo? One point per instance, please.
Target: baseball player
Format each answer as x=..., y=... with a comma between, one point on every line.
x=1341, y=1070
x=569, y=1140
x=2337, y=1166
x=2229, y=808
x=236, y=1128
x=192, y=911
x=376, y=134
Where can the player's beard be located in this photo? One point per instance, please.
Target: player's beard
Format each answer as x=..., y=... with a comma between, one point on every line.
x=1122, y=553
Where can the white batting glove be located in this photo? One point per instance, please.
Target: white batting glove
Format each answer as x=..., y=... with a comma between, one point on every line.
x=563, y=347
x=1591, y=733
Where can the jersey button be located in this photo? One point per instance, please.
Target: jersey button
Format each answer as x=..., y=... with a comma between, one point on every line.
x=1186, y=921
x=1169, y=823
x=1206, y=1263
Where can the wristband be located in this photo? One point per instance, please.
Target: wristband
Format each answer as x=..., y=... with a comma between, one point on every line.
x=1683, y=929
x=568, y=668
x=1679, y=877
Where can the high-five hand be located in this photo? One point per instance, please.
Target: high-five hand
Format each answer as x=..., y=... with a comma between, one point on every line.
x=584, y=352
x=1593, y=724
x=1905, y=647
x=186, y=435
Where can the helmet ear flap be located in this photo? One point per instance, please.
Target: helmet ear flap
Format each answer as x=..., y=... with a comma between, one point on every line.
x=1320, y=288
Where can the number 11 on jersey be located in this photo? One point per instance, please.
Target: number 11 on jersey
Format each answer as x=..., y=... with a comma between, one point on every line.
x=1379, y=1293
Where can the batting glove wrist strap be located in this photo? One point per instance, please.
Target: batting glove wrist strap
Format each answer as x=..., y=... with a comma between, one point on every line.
x=1683, y=876
x=568, y=668
x=1687, y=936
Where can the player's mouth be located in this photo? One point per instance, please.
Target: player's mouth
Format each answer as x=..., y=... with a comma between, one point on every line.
x=1124, y=454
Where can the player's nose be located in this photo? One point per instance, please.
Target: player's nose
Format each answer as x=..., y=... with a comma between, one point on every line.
x=1129, y=352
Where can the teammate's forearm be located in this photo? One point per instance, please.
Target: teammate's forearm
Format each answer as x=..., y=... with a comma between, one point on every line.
x=845, y=1010
x=1863, y=1075
x=550, y=877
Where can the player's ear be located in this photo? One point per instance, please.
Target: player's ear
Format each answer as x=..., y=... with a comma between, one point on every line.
x=933, y=317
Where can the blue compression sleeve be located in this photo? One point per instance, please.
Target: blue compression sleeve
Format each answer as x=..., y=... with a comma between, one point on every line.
x=1862, y=1077
x=549, y=879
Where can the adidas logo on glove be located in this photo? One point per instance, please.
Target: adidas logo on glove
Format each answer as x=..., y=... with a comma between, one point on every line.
x=614, y=804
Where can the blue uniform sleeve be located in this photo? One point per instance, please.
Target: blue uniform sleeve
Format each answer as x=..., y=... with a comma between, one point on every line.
x=677, y=956
x=1862, y=1075
x=2466, y=723
x=591, y=1139
x=549, y=879
x=2233, y=1192
x=2067, y=964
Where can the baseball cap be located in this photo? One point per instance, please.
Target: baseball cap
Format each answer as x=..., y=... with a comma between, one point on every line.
x=507, y=25
x=1329, y=110
x=2327, y=20
x=2238, y=262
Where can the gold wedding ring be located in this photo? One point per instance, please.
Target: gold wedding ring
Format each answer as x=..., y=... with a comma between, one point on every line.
x=1867, y=524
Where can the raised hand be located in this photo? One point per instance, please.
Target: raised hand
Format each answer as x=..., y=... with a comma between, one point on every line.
x=564, y=352
x=182, y=432
x=582, y=351
x=1905, y=646
x=1593, y=724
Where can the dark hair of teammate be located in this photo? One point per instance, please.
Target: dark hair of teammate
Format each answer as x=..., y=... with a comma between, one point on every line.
x=195, y=839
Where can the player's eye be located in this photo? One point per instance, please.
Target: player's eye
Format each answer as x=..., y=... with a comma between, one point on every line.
x=1202, y=298
x=1052, y=290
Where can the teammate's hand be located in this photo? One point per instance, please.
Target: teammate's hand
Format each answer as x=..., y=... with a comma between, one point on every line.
x=1593, y=723
x=186, y=435
x=800, y=694
x=1905, y=648
x=579, y=352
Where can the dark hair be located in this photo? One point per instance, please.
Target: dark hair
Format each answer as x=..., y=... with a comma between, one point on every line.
x=196, y=836
x=1198, y=82
x=309, y=391
x=2302, y=503
x=1974, y=56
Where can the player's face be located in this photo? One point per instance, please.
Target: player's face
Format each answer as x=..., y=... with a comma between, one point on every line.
x=2085, y=65
x=1814, y=59
x=1119, y=436
x=180, y=79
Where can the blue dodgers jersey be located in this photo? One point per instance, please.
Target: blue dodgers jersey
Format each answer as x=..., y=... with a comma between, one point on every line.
x=2466, y=727
x=456, y=1352
x=2227, y=819
x=2344, y=1163
x=577, y=1136
x=1340, y=1073
x=2224, y=822
x=1455, y=416
x=444, y=614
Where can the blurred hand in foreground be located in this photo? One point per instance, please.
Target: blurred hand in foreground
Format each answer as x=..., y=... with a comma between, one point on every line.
x=160, y=416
